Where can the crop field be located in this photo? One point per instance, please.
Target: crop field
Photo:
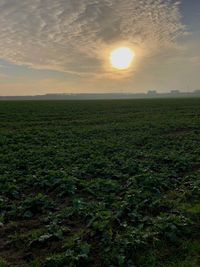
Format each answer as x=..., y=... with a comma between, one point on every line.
x=100, y=183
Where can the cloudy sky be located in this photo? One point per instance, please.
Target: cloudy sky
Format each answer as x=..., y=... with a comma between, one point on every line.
x=52, y=46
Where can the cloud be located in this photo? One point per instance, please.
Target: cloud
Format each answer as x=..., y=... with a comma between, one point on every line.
x=73, y=35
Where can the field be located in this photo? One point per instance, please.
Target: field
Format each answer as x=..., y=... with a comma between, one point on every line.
x=100, y=183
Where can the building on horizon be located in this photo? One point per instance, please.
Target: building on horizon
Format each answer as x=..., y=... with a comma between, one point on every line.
x=152, y=92
x=175, y=92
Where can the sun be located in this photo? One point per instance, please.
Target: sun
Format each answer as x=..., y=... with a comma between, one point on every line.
x=122, y=58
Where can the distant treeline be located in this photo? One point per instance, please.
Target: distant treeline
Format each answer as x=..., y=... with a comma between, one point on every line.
x=149, y=94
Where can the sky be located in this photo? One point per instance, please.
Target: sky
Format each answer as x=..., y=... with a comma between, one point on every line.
x=63, y=46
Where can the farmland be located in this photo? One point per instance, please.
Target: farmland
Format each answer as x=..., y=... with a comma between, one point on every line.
x=100, y=183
